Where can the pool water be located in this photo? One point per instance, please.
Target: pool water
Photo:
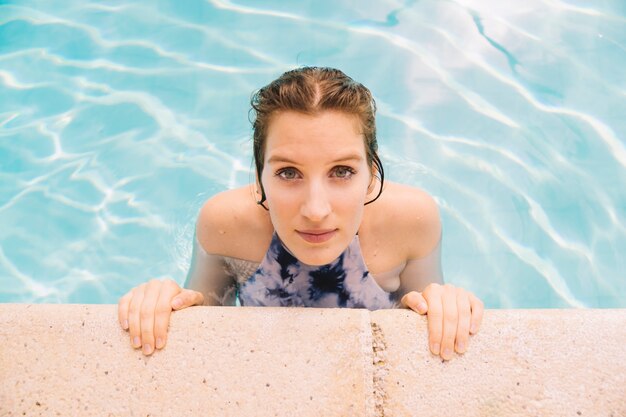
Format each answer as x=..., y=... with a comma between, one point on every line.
x=119, y=119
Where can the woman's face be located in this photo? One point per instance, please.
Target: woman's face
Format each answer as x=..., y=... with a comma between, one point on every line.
x=316, y=179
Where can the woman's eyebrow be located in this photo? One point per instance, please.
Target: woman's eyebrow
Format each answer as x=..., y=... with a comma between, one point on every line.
x=280, y=158
x=351, y=157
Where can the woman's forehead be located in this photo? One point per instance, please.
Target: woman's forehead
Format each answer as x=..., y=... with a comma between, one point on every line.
x=328, y=134
x=290, y=121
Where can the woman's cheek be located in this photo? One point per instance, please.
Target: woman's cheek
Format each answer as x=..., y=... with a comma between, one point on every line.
x=283, y=208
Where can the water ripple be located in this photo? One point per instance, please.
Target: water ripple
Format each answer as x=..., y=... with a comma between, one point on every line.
x=114, y=116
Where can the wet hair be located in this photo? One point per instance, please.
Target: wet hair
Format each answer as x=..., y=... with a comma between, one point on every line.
x=312, y=90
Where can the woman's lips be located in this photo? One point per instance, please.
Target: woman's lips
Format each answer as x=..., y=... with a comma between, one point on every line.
x=316, y=236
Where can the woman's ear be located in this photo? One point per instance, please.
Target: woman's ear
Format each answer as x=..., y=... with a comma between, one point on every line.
x=260, y=193
x=372, y=185
x=257, y=184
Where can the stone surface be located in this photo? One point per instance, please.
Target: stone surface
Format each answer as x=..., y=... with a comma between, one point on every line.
x=521, y=363
x=75, y=360
x=229, y=361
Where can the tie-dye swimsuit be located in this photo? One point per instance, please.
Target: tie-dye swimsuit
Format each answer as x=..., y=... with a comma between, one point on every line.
x=282, y=280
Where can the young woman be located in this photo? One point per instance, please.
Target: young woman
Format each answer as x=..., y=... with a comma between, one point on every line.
x=319, y=228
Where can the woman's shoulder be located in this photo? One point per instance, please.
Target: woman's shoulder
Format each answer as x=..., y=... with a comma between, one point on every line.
x=409, y=217
x=231, y=224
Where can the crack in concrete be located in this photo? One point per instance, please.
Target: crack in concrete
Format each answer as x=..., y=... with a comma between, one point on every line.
x=381, y=369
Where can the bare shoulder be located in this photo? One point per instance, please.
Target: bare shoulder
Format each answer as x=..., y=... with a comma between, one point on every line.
x=231, y=224
x=409, y=217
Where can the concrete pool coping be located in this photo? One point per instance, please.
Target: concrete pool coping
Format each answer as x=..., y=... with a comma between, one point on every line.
x=72, y=359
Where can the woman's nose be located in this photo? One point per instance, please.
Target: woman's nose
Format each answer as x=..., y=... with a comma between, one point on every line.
x=316, y=205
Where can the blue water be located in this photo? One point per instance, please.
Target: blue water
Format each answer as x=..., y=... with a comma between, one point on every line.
x=118, y=119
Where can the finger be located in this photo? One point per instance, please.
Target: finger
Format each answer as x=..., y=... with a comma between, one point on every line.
x=415, y=301
x=187, y=298
x=435, y=319
x=148, y=309
x=463, y=327
x=134, y=313
x=122, y=309
x=163, y=311
x=478, y=309
x=450, y=321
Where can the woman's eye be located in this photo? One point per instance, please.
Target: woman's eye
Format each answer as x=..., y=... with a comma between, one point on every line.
x=287, y=174
x=344, y=172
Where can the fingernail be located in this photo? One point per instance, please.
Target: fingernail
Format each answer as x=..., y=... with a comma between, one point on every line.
x=159, y=343
x=177, y=303
x=447, y=353
x=136, y=342
x=147, y=349
x=421, y=306
x=435, y=348
x=461, y=347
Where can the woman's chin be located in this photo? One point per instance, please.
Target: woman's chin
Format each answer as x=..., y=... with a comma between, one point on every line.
x=318, y=256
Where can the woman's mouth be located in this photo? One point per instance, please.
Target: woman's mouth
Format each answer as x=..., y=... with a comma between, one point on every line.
x=317, y=236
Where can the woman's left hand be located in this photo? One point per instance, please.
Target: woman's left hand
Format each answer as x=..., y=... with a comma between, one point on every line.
x=453, y=314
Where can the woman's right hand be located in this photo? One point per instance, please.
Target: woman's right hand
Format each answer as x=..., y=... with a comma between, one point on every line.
x=145, y=311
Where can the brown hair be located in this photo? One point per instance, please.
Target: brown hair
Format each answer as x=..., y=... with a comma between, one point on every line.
x=311, y=90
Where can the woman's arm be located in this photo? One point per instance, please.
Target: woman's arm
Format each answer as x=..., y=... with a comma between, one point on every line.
x=419, y=273
x=209, y=275
x=453, y=313
x=420, y=229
